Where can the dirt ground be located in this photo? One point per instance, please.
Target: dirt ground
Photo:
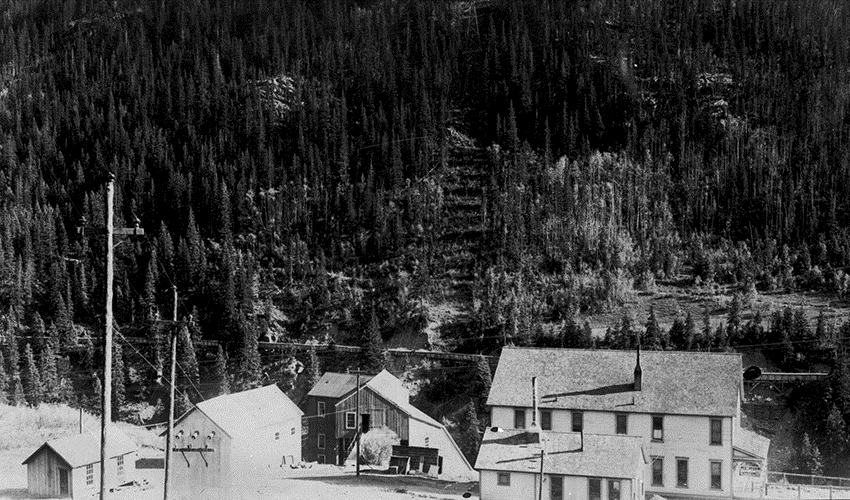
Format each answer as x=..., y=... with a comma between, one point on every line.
x=320, y=482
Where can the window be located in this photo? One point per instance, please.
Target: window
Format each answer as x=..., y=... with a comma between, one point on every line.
x=89, y=474
x=578, y=421
x=426, y=441
x=519, y=418
x=503, y=478
x=613, y=489
x=657, y=428
x=622, y=426
x=657, y=471
x=594, y=489
x=546, y=420
x=716, y=478
x=682, y=472
x=292, y=431
x=120, y=463
x=277, y=436
x=321, y=443
x=350, y=420
x=320, y=410
x=321, y=459
x=556, y=488
x=716, y=437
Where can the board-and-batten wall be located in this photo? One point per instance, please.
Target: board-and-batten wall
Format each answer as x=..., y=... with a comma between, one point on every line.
x=372, y=403
x=43, y=474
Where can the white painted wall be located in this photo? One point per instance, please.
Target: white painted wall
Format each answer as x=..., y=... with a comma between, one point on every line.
x=684, y=436
x=454, y=465
x=524, y=486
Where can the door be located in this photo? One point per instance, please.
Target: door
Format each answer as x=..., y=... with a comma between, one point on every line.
x=63, y=483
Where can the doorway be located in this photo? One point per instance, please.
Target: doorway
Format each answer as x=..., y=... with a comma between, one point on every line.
x=63, y=483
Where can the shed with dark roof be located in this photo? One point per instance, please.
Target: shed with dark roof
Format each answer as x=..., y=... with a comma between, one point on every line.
x=69, y=467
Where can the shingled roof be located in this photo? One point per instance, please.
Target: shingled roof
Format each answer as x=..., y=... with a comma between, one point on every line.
x=248, y=410
x=336, y=385
x=685, y=383
x=608, y=456
x=83, y=449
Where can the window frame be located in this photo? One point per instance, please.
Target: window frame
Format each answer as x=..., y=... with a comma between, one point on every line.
x=546, y=420
x=612, y=489
x=625, y=421
x=519, y=418
x=660, y=438
x=277, y=436
x=556, y=494
x=660, y=470
x=119, y=466
x=679, y=462
x=503, y=479
x=321, y=441
x=577, y=417
x=711, y=475
x=353, y=415
x=321, y=459
x=711, y=432
x=89, y=474
x=321, y=410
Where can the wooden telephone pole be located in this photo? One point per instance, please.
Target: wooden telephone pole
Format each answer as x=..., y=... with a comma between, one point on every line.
x=359, y=420
x=170, y=435
x=106, y=389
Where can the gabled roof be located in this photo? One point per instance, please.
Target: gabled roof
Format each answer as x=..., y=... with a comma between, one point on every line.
x=336, y=385
x=83, y=449
x=751, y=444
x=609, y=456
x=685, y=383
x=247, y=410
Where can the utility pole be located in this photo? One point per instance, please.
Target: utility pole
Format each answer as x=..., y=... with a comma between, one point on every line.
x=106, y=389
x=170, y=435
x=359, y=422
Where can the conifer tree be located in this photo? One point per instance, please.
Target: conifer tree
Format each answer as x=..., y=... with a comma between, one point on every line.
x=690, y=332
x=49, y=375
x=182, y=404
x=119, y=391
x=371, y=354
x=188, y=374
x=249, y=367
x=677, y=334
x=220, y=372
x=467, y=432
x=483, y=382
x=809, y=459
x=4, y=380
x=97, y=394
x=653, y=331
x=733, y=319
x=34, y=389
x=15, y=387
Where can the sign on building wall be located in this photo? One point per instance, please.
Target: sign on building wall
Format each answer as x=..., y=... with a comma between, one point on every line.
x=749, y=469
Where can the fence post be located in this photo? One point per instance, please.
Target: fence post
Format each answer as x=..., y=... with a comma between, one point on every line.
x=830, y=492
x=798, y=491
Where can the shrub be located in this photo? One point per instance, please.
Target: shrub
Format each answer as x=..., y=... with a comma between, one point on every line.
x=377, y=445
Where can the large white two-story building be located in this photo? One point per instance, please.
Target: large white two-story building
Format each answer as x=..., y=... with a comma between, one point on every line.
x=683, y=406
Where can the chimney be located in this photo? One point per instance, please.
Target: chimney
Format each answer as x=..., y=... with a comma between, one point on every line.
x=638, y=372
x=534, y=423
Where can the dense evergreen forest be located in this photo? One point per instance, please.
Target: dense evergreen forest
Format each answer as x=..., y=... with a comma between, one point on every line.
x=325, y=169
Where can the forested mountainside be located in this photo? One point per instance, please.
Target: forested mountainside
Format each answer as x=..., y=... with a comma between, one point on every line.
x=312, y=169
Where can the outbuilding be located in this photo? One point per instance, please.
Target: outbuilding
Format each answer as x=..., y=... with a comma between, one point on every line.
x=69, y=467
x=233, y=437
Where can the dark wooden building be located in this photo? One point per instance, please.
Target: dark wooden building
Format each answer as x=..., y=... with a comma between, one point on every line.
x=69, y=467
x=331, y=416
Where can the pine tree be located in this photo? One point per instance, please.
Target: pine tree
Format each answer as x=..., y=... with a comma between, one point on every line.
x=220, y=372
x=34, y=389
x=483, y=382
x=49, y=375
x=182, y=404
x=4, y=380
x=371, y=354
x=677, y=334
x=250, y=369
x=97, y=395
x=119, y=391
x=467, y=432
x=653, y=331
x=733, y=319
x=809, y=460
x=188, y=373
